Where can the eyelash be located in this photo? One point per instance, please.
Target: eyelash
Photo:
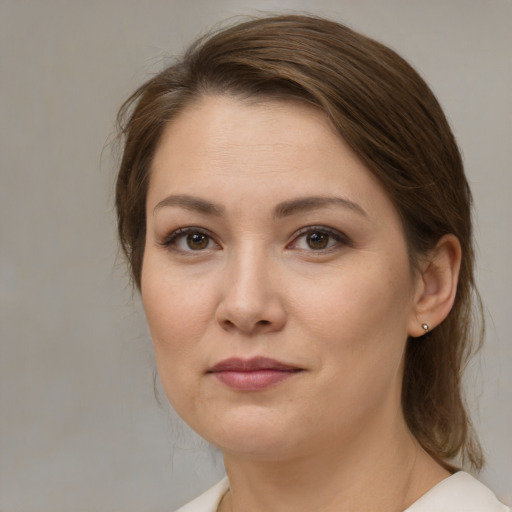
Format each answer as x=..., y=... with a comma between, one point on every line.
x=339, y=238
x=170, y=241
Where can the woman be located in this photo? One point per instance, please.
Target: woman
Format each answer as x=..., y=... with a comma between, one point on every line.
x=294, y=211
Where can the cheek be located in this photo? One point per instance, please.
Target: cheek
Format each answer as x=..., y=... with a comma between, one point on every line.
x=174, y=303
x=176, y=323
x=361, y=359
x=178, y=311
x=367, y=303
x=360, y=320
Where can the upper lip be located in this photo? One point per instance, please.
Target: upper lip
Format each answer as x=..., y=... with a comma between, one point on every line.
x=236, y=364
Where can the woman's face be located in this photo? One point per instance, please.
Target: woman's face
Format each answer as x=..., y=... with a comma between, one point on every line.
x=276, y=280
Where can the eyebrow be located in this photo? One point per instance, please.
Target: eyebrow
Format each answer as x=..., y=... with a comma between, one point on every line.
x=306, y=204
x=285, y=209
x=191, y=203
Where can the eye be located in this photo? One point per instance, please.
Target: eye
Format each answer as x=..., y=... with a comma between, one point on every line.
x=190, y=240
x=197, y=241
x=318, y=239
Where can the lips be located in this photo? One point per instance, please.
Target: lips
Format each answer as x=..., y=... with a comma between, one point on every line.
x=253, y=374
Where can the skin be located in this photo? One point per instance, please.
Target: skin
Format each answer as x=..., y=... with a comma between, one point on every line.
x=242, y=279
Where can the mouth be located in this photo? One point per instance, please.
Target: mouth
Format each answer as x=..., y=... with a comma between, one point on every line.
x=254, y=374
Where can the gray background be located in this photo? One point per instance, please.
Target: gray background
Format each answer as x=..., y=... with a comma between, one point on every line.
x=80, y=427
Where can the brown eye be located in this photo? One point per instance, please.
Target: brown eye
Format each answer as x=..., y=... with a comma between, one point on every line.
x=188, y=240
x=317, y=240
x=197, y=241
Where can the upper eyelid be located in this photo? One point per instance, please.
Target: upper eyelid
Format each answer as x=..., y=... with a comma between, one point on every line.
x=183, y=231
x=326, y=229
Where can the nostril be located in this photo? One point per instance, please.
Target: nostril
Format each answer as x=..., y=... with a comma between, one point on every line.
x=227, y=324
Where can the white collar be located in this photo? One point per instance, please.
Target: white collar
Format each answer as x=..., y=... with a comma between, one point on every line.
x=459, y=492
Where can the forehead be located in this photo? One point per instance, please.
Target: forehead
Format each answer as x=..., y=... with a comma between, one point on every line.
x=227, y=123
x=274, y=149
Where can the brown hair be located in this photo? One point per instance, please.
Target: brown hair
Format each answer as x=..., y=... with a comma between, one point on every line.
x=390, y=118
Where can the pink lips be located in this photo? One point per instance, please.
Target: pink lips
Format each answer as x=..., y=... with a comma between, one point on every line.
x=253, y=374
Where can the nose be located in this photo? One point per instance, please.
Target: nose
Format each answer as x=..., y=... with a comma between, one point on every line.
x=251, y=301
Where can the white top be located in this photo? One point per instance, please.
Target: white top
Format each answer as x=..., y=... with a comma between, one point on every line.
x=457, y=493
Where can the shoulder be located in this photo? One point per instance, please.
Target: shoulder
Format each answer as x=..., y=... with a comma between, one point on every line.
x=208, y=501
x=459, y=493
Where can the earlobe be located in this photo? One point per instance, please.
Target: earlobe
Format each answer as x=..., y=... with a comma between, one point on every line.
x=437, y=286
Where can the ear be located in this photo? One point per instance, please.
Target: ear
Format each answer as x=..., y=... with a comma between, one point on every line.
x=436, y=286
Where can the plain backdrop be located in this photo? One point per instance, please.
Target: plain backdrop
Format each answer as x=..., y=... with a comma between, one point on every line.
x=80, y=427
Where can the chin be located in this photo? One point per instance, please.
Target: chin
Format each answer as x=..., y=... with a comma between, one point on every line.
x=251, y=434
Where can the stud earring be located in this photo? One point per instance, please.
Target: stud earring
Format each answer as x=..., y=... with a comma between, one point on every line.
x=425, y=327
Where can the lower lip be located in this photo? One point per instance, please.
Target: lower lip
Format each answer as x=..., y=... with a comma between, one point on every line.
x=253, y=380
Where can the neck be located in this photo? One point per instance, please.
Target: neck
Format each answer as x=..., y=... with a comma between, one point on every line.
x=385, y=470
